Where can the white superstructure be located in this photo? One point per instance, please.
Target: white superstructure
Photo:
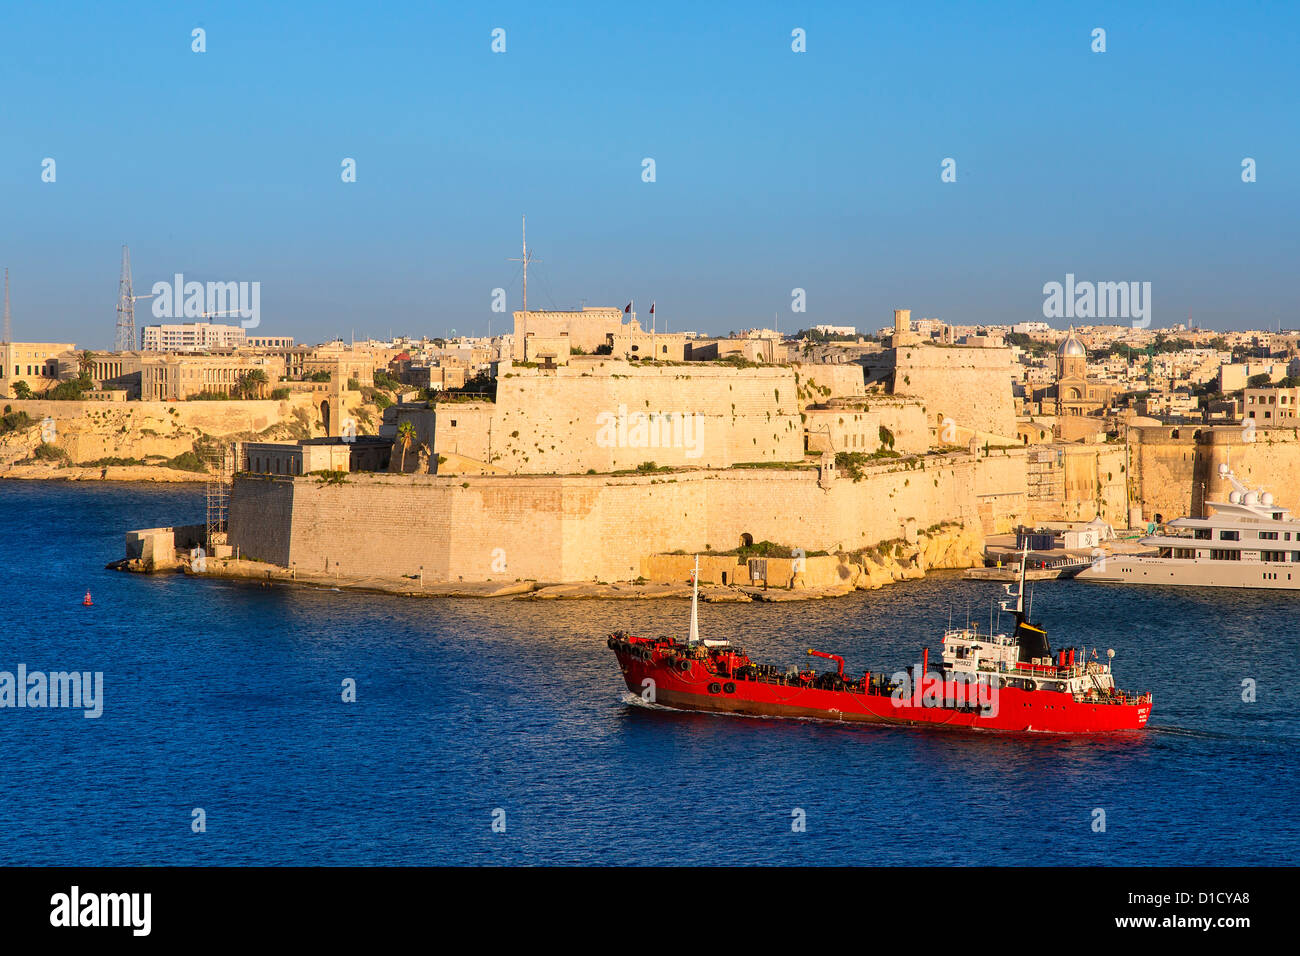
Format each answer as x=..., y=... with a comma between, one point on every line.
x=1248, y=541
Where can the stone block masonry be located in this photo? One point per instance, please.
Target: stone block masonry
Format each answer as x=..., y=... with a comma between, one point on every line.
x=605, y=415
x=585, y=528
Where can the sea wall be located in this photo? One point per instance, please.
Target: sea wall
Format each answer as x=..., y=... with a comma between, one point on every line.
x=599, y=527
x=1176, y=469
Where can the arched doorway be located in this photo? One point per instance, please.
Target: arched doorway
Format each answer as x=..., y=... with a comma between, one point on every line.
x=325, y=416
x=746, y=540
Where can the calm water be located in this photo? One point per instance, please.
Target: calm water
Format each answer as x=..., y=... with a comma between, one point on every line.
x=228, y=697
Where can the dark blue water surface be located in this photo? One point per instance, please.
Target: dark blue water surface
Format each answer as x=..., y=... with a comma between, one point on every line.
x=228, y=697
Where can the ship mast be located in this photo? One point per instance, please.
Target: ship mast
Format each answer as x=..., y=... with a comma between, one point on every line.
x=1019, y=594
x=695, y=602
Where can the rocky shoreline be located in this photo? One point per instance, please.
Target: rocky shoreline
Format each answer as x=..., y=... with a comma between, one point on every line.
x=147, y=474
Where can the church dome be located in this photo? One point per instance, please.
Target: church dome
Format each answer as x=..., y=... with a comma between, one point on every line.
x=1071, y=345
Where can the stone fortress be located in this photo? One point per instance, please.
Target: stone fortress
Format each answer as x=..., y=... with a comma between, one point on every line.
x=590, y=465
x=588, y=461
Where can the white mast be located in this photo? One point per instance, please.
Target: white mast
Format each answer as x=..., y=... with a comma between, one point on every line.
x=525, y=257
x=1020, y=593
x=695, y=602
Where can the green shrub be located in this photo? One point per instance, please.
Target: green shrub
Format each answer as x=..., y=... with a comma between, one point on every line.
x=14, y=421
x=47, y=451
x=186, y=461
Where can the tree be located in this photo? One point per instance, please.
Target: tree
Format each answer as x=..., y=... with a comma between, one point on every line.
x=405, y=439
x=86, y=362
x=22, y=390
x=1262, y=380
x=249, y=384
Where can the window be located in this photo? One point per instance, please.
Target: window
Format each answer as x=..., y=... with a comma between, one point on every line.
x=1205, y=534
x=1229, y=535
x=1268, y=535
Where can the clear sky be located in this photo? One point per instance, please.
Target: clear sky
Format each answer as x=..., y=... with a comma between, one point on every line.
x=774, y=170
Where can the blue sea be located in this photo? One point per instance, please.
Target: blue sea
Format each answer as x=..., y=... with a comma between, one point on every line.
x=228, y=697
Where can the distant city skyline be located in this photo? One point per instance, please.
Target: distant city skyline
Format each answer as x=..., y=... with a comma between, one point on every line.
x=774, y=170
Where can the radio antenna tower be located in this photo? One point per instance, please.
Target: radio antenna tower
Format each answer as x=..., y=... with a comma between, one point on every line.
x=125, y=340
x=525, y=258
x=9, y=326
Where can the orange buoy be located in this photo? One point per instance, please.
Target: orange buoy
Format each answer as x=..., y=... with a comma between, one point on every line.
x=86, y=600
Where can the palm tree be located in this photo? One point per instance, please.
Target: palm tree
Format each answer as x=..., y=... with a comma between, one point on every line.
x=86, y=362
x=405, y=439
x=250, y=383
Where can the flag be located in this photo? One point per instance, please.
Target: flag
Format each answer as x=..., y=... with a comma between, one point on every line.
x=627, y=309
x=652, y=308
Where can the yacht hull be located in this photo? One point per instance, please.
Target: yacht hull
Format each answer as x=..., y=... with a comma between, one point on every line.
x=1185, y=572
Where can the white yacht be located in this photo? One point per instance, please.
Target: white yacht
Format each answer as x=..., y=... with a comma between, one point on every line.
x=1247, y=541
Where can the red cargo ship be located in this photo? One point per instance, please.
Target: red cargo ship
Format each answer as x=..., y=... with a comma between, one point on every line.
x=1006, y=682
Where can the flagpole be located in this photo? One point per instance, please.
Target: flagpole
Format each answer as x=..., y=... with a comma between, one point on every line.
x=653, y=352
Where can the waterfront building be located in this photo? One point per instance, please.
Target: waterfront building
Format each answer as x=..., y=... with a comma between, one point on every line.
x=354, y=453
x=36, y=363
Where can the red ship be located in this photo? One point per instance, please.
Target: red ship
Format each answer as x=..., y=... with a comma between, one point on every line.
x=1006, y=682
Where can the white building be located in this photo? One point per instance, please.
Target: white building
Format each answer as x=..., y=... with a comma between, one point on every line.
x=190, y=337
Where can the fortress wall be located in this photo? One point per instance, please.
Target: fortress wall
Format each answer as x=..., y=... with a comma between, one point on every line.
x=1162, y=470
x=818, y=382
x=263, y=523
x=1094, y=484
x=1176, y=469
x=849, y=429
x=584, y=527
x=586, y=416
x=970, y=385
x=1001, y=492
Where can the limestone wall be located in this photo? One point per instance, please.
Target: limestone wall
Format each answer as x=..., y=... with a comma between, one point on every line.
x=857, y=427
x=818, y=383
x=1176, y=468
x=581, y=528
x=606, y=415
x=972, y=386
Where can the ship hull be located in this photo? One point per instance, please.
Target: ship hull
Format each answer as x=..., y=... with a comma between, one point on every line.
x=945, y=704
x=1185, y=572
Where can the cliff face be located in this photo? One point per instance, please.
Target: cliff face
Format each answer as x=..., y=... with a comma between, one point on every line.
x=949, y=547
x=144, y=434
x=944, y=547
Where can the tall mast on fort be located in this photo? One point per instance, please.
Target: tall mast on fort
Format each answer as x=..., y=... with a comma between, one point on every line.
x=9, y=328
x=525, y=259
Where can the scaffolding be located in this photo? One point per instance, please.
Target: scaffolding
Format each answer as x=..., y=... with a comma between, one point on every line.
x=1042, y=476
x=220, y=462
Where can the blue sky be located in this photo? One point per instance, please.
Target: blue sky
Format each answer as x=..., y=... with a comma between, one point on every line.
x=774, y=170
